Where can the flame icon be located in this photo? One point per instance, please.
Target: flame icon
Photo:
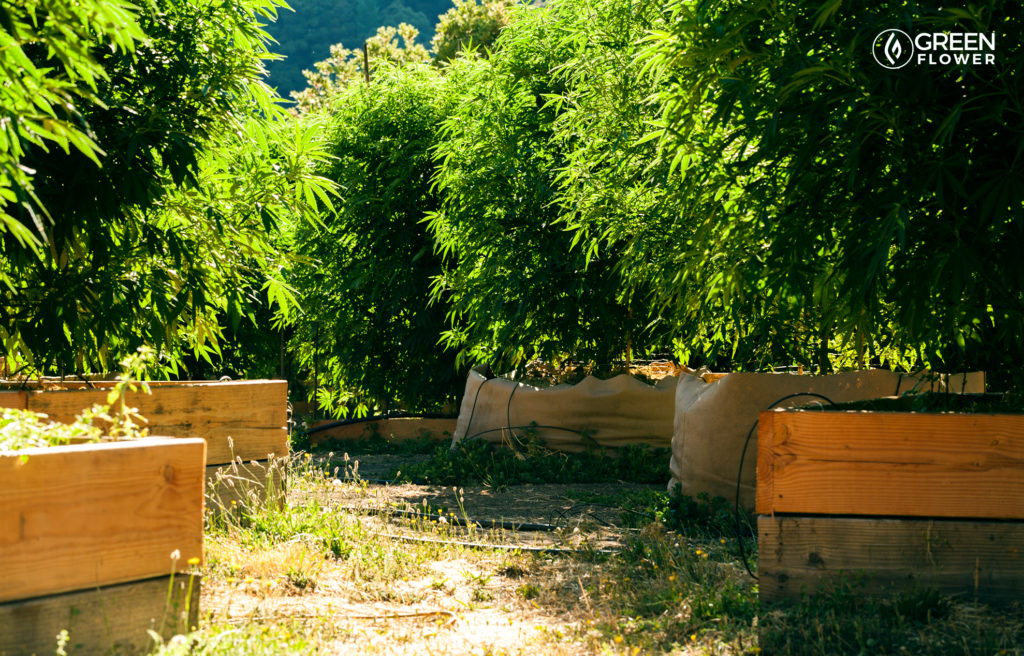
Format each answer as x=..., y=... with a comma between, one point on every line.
x=893, y=50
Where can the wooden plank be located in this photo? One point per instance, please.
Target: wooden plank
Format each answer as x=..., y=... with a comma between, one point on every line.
x=897, y=464
x=15, y=400
x=252, y=413
x=112, y=619
x=398, y=430
x=968, y=558
x=76, y=517
x=197, y=407
x=765, y=463
x=56, y=384
x=227, y=442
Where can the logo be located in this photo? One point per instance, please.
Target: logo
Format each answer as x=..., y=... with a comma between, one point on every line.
x=893, y=49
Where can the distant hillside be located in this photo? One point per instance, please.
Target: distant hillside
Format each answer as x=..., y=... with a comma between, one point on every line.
x=306, y=35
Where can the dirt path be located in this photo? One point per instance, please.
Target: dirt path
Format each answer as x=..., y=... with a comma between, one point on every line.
x=441, y=597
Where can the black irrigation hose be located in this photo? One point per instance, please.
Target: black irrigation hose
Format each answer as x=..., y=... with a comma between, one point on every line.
x=508, y=413
x=503, y=547
x=476, y=398
x=739, y=474
x=457, y=521
x=508, y=418
x=395, y=415
x=504, y=428
x=375, y=481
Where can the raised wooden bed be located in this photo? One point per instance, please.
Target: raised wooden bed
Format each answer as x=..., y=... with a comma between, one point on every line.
x=242, y=421
x=891, y=499
x=87, y=534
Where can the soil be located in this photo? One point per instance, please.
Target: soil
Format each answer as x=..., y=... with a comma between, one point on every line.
x=445, y=609
x=538, y=503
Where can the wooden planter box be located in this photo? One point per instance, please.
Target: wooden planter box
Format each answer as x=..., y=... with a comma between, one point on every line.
x=241, y=421
x=891, y=499
x=86, y=538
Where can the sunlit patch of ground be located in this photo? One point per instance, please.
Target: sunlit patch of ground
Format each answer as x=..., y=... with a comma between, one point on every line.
x=346, y=568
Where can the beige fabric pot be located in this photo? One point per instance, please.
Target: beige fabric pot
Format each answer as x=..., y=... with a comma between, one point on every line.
x=712, y=419
x=615, y=412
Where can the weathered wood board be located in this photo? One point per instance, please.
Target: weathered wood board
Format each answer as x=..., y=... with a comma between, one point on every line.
x=17, y=400
x=111, y=619
x=247, y=419
x=77, y=517
x=891, y=464
x=247, y=484
x=964, y=558
x=398, y=429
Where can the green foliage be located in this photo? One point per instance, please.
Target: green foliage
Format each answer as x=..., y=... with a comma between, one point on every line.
x=48, y=52
x=516, y=287
x=937, y=402
x=24, y=429
x=305, y=36
x=840, y=618
x=475, y=462
x=229, y=640
x=148, y=238
x=615, y=194
x=254, y=186
x=849, y=205
x=369, y=327
x=703, y=516
x=469, y=23
x=345, y=66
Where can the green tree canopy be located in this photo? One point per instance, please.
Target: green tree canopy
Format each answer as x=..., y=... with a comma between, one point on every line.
x=146, y=231
x=475, y=23
x=369, y=328
x=305, y=35
x=345, y=66
x=518, y=288
x=885, y=200
x=50, y=74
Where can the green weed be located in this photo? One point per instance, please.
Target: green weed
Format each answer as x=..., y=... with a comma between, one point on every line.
x=475, y=462
x=840, y=618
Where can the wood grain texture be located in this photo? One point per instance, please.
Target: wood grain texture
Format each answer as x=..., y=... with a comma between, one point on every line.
x=14, y=399
x=252, y=413
x=892, y=463
x=398, y=430
x=247, y=484
x=764, y=491
x=245, y=403
x=112, y=619
x=54, y=383
x=226, y=442
x=82, y=516
x=966, y=558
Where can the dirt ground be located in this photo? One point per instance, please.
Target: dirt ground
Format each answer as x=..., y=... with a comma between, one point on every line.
x=554, y=504
x=460, y=600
